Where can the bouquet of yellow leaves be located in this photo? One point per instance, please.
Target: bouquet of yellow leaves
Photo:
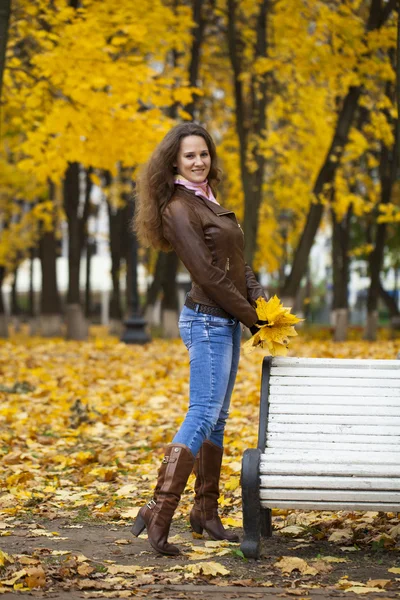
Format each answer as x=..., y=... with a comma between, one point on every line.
x=279, y=326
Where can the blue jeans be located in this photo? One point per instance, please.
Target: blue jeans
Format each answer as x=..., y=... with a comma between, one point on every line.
x=214, y=350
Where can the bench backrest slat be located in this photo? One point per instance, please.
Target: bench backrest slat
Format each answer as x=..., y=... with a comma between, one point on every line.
x=333, y=434
x=333, y=390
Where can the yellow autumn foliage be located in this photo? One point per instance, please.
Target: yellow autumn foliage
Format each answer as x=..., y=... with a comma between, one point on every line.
x=274, y=335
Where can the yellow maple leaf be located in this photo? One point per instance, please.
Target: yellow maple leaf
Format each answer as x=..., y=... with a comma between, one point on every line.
x=274, y=335
x=208, y=568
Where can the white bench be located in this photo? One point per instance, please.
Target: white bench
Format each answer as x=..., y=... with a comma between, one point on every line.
x=329, y=439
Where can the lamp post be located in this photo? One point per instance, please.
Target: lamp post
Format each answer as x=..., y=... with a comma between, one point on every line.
x=135, y=326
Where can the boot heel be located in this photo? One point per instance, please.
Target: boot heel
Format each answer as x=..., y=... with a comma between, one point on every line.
x=197, y=528
x=138, y=526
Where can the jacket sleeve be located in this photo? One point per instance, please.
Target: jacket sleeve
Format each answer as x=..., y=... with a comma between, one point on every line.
x=183, y=229
x=254, y=289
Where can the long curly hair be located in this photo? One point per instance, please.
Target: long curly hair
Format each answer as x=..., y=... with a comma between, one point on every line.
x=155, y=183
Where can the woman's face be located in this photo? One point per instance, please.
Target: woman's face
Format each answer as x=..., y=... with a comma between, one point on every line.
x=193, y=161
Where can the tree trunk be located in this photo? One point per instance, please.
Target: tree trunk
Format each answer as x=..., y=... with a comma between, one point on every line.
x=50, y=302
x=90, y=251
x=87, y=242
x=256, y=122
x=32, y=313
x=154, y=290
x=3, y=316
x=388, y=172
x=391, y=305
x=195, y=53
x=377, y=17
x=5, y=9
x=170, y=301
x=376, y=256
x=77, y=328
x=15, y=308
x=341, y=274
x=117, y=220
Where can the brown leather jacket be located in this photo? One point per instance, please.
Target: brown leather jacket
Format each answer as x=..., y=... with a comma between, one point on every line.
x=210, y=242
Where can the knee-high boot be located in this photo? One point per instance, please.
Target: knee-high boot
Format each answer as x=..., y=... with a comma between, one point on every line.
x=157, y=514
x=204, y=514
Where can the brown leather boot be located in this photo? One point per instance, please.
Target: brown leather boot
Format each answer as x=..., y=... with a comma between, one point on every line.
x=204, y=514
x=157, y=514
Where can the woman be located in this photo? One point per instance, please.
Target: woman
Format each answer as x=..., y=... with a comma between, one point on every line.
x=177, y=209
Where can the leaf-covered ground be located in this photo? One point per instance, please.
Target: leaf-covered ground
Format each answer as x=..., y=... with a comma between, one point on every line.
x=82, y=429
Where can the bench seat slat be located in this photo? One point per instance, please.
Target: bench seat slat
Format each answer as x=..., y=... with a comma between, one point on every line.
x=326, y=409
x=330, y=483
x=335, y=419
x=332, y=447
x=325, y=456
x=339, y=400
x=332, y=390
x=334, y=429
x=353, y=373
x=346, y=506
x=269, y=467
x=351, y=363
x=336, y=438
x=330, y=495
x=338, y=382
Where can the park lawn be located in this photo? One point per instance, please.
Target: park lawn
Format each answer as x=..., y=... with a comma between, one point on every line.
x=89, y=430
x=82, y=429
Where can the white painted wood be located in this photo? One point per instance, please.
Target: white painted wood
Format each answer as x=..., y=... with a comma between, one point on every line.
x=342, y=382
x=333, y=435
x=325, y=456
x=337, y=438
x=346, y=506
x=334, y=429
x=351, y=363
x=326, y=409
x=327, y=371
x=332, y=390
x=330, y=495
x=268, y=467
x=332, y=447
x=330, y=483
x=343, y=398
x=307, y=419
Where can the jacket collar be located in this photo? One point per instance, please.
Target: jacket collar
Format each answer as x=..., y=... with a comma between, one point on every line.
x=216, y=208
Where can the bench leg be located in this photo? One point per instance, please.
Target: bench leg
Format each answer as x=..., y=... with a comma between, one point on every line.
x=252, y=517
x=266, y=522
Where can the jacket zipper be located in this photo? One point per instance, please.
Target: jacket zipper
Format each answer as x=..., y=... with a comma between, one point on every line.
x=227, y=265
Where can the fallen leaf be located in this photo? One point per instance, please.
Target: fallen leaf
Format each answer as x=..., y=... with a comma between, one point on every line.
x=115, y=594
x=15, y=576
x=394, y=532
x=362, y=590
x=126, y=490
x=27, y=560
x=293, y=530
x=379, y=583
x=35, y=577
x=84, y=569
x=5, y=559
x=207, y=568
x=131, y=513
x=341, y=535
x=287, y=564
x=333, y=559
x=394, y=570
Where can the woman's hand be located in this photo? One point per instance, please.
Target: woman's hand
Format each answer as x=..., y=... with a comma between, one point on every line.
x=256, y=327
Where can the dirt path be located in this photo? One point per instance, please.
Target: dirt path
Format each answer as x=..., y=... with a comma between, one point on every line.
x=88, y=560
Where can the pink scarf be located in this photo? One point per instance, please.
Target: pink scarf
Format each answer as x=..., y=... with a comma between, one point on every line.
x=200, y=189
